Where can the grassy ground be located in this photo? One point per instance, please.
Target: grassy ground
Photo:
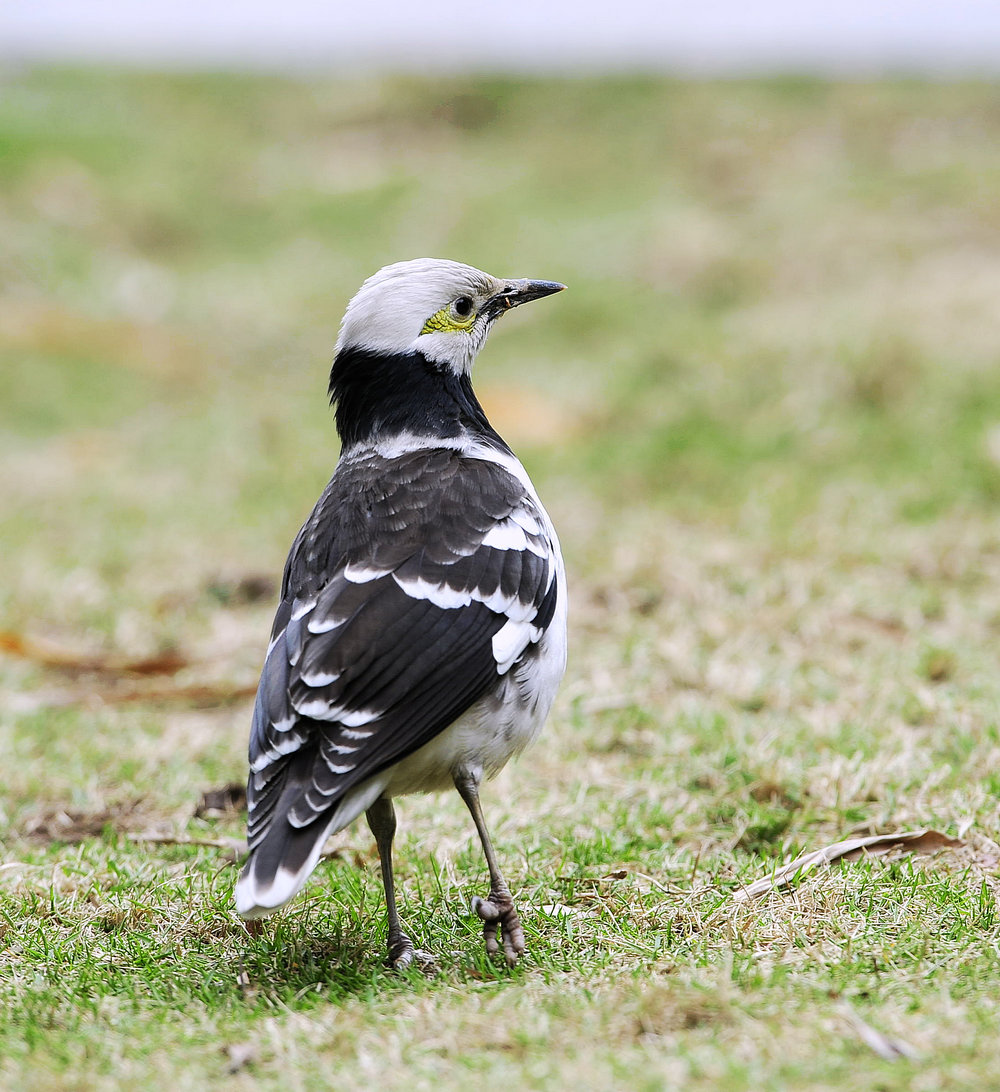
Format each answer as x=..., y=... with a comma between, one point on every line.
x=766, y=419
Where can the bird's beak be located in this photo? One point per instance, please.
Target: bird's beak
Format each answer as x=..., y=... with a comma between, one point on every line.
x=514, y=293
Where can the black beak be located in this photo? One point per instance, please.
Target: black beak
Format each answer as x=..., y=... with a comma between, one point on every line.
x=514, y=293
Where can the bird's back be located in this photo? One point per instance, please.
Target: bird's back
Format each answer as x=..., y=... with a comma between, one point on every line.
x=422, y=623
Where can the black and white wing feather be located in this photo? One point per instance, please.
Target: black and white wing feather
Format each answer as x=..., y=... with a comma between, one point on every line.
x=417, y=582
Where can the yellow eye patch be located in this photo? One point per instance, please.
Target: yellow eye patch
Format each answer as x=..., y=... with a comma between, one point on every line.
x=446, y=320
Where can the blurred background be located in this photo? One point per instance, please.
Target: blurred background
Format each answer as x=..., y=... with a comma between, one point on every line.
x=553, y=35
x=778, y=354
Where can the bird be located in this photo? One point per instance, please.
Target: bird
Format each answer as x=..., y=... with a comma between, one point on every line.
x=420, y=637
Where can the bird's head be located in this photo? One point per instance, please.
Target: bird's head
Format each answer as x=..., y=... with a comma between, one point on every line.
x=439, y=308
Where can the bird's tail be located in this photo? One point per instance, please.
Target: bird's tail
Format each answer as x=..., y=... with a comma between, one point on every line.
x=285, y=857
x=279, y=866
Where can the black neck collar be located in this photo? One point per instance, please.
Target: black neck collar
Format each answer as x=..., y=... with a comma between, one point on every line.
x=380, y=395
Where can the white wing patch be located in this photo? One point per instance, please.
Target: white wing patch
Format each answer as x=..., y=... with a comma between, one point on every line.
x=283, y=745
x=324, y=623
x=506, y=535
x=361, y=574
x=341, y=749
x=519, y=531
x=355, y=718
x=320, y=678
x=509, y=642
x=441, y=595
x=526, y=521
x=321, y=709
x=352, y=733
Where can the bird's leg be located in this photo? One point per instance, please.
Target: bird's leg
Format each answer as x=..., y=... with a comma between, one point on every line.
x=381, y=818
x=498, y=911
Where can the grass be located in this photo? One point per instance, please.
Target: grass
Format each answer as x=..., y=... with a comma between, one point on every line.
x=765, y=418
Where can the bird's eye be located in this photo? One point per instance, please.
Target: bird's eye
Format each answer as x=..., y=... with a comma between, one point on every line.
x=462, y=306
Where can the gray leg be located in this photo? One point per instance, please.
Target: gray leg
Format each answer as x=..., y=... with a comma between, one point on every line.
x=381, y=818
x=498, y=912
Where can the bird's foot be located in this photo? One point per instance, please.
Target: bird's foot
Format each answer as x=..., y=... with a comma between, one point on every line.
x=402, y=954
x=500, y=917
x=401, y=951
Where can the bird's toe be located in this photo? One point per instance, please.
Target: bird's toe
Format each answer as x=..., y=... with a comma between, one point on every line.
x=501, y=924
x=486, y=909
x=513, y=940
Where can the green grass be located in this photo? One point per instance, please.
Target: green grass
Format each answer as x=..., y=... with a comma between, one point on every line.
x=766, y=420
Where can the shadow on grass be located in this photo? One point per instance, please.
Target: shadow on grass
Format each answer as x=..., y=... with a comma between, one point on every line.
x=314, y=966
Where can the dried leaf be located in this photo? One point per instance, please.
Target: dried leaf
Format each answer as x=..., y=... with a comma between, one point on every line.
x=215, y=803
x=233, y=848
x=48, y=654
x=911, y=841
x=202, y=695
x=72, y=825
x=198, y=695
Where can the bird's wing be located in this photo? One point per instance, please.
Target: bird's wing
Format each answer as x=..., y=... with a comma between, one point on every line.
x=414, y=585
